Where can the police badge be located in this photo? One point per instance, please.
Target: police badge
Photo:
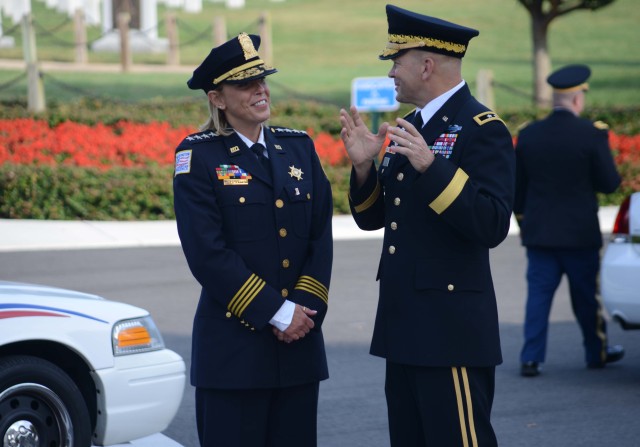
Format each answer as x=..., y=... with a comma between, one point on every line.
x=295, y=172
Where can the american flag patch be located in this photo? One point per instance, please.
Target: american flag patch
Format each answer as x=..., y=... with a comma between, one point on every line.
x=183, y=162
x=444, y=144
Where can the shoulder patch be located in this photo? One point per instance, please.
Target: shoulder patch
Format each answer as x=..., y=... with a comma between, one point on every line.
x=485, y=117
x=601, y=125
x=287, y=132
x=183, y=162
x=207, y=135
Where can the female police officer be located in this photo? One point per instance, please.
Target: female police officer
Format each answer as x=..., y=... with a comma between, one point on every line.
x=253, y=209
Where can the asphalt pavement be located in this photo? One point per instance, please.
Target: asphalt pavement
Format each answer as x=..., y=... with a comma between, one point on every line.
x=568, y=405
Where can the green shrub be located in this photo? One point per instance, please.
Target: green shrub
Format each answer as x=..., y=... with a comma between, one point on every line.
x=65, y=192
x=73, y=193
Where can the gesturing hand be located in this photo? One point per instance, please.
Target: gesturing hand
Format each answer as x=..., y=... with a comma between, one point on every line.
x=362, y=145
x=411, y=144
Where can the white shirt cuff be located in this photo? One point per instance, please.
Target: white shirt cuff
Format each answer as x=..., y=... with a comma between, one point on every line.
x=282, y=318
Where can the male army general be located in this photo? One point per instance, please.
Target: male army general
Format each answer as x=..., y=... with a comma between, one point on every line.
x=443, y=193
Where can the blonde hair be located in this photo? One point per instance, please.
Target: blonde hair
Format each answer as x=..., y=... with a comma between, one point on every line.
x=217, y=121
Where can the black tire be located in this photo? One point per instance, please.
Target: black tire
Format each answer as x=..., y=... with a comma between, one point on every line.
x=42, y=400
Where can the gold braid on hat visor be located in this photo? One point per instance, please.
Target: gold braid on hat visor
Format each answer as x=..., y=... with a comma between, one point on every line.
x=398, y=42
x=243, y=71
x=584, y=87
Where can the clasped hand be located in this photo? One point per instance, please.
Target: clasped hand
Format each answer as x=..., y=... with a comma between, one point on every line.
x=300, y=325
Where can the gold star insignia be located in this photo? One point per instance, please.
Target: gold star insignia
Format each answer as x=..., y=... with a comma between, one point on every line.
x=295, y=172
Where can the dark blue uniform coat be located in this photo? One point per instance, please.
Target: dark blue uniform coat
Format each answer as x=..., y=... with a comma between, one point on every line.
x=437, y=304
x=251, y=242
x=561, y=162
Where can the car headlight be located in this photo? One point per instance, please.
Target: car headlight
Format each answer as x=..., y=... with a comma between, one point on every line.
x=136, y=336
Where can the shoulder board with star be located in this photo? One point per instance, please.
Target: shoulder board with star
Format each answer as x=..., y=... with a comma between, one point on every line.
x=201, y=137
x=287, y=132
x=486, y=117
x=601, y=125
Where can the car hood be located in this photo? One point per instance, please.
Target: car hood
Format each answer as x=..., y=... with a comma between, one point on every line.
x=13, y=289
x=14, y=295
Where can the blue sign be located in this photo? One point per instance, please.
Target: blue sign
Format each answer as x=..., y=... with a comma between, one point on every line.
x=374, y=94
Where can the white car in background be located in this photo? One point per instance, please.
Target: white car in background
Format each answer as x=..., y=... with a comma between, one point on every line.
x=620, y=269
x=77, y=369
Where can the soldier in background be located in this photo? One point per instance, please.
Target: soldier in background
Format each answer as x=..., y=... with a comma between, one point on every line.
x=562, y=161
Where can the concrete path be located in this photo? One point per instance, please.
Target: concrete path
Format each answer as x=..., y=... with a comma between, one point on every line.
x=21, y=234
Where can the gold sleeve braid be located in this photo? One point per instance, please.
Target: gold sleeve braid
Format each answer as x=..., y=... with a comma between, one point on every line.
x=450, y=193
x=245, y=295
x=313, y=286
x=370, y=200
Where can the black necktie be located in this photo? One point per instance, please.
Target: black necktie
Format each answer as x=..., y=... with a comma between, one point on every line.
x=417, y=121
x=258, y=149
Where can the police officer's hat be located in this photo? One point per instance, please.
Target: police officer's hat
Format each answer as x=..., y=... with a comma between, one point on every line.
x=570, y=78
x=234, y=61
x=409, y=30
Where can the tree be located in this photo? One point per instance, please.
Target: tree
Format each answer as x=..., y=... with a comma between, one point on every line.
x=542, y=13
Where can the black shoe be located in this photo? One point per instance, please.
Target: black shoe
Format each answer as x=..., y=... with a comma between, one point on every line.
x=530, y=369
x=614, y=353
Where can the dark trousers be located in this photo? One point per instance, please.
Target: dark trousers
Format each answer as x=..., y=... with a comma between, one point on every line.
x=440, y=407
x=544, y=272
x=278, y=417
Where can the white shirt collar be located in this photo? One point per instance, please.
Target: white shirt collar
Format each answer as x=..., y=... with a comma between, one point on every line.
x=250, y=143
x=434, y=105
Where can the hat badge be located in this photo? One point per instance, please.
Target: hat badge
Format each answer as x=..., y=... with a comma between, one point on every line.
x=247, y=46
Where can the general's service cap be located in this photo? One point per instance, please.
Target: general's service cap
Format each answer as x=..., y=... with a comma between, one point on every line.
x=409, y=30
x=570, y=78
x=234, y=61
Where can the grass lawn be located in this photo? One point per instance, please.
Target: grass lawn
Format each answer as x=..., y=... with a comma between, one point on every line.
x=320, y=46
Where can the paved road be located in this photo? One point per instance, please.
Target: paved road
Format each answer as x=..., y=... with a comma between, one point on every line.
x=567, y=406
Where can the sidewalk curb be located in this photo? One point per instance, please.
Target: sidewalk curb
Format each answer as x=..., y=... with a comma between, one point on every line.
x=31, y=235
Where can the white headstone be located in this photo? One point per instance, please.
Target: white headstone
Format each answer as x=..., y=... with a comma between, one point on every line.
x=107, y=16
x=235, y=4
x=149, y=18
x=92, y=12
x=174, y=3
x=16, y=9
x=193, y=6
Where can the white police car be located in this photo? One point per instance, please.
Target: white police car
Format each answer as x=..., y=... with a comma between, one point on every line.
x=77, y=369
x=620, y=269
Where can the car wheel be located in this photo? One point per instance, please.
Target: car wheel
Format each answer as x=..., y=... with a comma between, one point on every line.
x=40, y=405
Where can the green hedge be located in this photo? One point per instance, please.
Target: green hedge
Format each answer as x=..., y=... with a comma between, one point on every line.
x=71, y=193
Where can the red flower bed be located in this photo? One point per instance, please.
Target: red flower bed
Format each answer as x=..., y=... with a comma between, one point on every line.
x=28, y=141
x=626, y=148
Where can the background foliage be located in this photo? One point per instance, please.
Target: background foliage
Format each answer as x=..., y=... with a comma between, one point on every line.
x=122, y=170
x=319, y=47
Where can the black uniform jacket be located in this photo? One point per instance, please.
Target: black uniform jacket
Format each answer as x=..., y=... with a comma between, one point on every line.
x=252, y=242
x=561, y=162
x=437, y=303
